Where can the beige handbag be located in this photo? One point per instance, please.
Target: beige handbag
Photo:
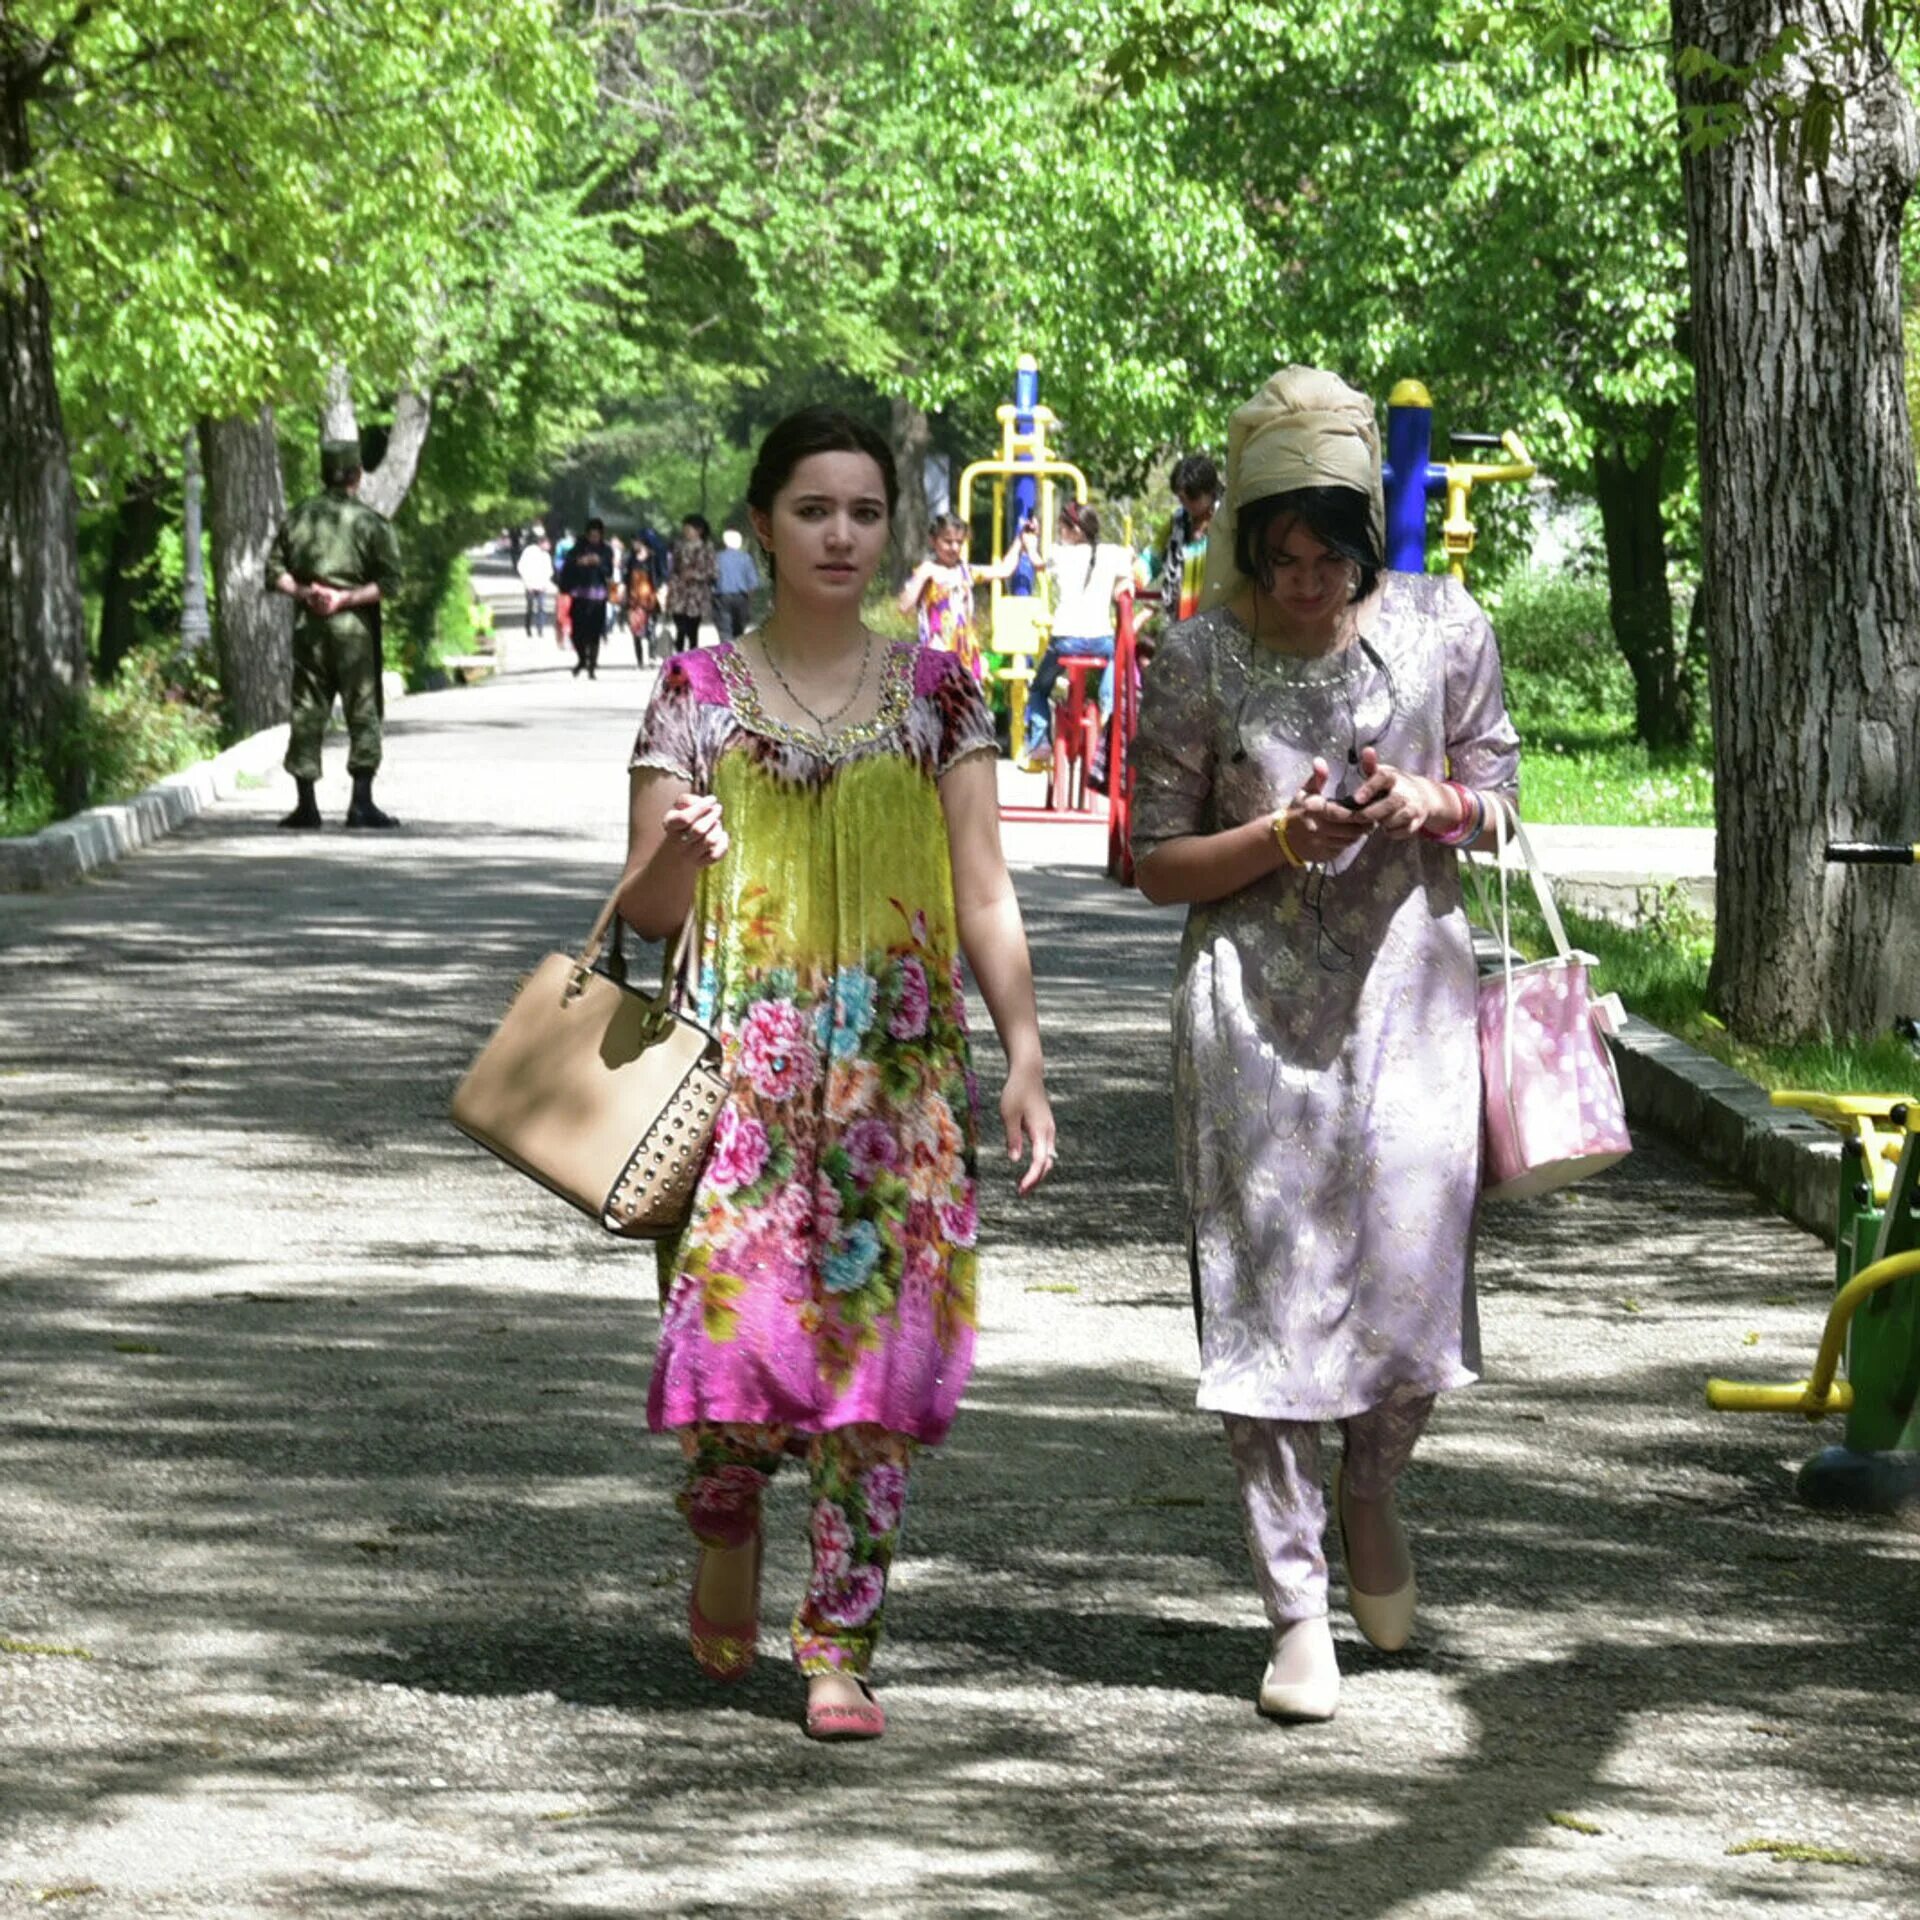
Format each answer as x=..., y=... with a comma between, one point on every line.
x=604, y=1094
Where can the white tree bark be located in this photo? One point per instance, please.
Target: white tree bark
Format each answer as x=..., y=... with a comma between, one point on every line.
x=1811, y=550
x=386, y=486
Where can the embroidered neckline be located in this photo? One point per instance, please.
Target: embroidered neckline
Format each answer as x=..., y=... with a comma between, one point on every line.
x=896, y=690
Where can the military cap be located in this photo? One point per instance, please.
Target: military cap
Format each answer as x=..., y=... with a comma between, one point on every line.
x=339, y=461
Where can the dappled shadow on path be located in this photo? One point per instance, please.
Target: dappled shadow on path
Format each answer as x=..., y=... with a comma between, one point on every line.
x=331, y=1453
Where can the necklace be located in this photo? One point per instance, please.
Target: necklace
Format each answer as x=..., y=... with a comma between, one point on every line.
x=825, y=723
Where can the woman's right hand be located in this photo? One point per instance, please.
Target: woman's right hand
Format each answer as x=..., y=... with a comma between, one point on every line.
x=1318, y=829
x=692, y=830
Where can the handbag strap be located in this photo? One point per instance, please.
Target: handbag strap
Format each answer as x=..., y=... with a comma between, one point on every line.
x=672, y=960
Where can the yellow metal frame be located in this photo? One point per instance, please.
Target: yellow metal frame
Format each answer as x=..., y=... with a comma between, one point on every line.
x=1457, y=530
x=1022, y=456
x=1869, y=1117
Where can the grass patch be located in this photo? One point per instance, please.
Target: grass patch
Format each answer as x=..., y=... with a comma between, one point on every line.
x=1611, y=783
x=1659, y=968
x=1803, y=1852
x=43, y=1650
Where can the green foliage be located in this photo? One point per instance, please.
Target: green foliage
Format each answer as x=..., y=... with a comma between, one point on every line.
x=154, y=718
x=234, y=196
x=1564, y=675
x=1572, y=701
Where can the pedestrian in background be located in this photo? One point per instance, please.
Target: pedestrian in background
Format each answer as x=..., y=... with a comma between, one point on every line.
x=535, y=568
x=1176, y=564
x=690, y=582
x=1315, y=749
x=1088, y=577
x=587, y=581
x=339, y=560
x=735, y=581
x=822, y=802
x=562, y=605
x=939, y=591
x=640, y=596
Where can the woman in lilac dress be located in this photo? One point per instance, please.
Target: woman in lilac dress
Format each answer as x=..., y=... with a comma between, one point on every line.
x=1315, y=747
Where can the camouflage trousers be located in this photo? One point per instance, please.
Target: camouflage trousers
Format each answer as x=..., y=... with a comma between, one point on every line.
x=328, y=661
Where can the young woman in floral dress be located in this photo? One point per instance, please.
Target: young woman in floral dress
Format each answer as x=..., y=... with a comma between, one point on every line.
x=824, y=803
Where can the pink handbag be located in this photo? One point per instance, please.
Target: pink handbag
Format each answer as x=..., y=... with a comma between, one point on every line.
x=1553, y=1108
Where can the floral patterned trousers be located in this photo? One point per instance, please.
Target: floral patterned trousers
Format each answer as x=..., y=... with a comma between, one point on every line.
x=1284, y=1505
x=858, y=1481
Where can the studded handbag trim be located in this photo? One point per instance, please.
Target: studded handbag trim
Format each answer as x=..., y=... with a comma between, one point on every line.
x=654, y=1194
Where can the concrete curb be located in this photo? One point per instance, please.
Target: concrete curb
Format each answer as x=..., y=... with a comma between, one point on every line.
x=1787, y=1158
x=69, y=850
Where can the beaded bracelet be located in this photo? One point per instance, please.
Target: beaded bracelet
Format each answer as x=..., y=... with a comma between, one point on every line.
x=1473, y=818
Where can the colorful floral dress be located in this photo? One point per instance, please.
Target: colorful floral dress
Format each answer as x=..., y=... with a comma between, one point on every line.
x=947, y=616
x=826, y=1278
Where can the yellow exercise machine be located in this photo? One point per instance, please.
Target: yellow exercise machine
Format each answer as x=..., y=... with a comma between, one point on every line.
x=1026, y=470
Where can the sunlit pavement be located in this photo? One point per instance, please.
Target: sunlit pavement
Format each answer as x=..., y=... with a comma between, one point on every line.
x=338, y=1576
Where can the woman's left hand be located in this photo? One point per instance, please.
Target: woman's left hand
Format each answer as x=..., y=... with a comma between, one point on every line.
x=1028, y=1118
x=1398, y=804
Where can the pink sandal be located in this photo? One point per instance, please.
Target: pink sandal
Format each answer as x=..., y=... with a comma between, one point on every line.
x=867, y=1721
x=723, y=1653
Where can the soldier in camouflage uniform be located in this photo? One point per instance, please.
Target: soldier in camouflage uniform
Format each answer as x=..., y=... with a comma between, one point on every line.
x=339, y=560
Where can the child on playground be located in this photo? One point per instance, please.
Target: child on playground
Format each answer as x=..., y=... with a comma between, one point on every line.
x=941, y=587
x=822, y=801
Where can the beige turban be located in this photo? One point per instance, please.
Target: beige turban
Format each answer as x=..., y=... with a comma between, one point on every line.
x=1304, y=428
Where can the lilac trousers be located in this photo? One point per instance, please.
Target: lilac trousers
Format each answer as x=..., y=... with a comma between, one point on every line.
x=1284, y=1504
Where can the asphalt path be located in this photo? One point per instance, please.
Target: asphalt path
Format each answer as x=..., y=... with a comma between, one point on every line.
x=338, y=1574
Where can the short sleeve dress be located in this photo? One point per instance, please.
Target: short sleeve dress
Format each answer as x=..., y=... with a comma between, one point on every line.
x=826, y=1277
x=1326, y=1066
x=947, y=616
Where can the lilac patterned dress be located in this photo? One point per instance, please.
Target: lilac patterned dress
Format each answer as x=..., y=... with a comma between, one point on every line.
x=1326, y=1070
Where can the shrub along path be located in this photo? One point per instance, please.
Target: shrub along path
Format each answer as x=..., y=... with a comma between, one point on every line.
x=338, y=1577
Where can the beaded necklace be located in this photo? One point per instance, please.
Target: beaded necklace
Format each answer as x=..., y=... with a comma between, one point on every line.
x=824, y=722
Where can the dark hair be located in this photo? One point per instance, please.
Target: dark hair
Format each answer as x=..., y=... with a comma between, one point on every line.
x=596, y=525
x=817, y=430
x=698, y=522
x=1340, y=518
x=1194, y=473
x=1086, y=523
x=945, y=523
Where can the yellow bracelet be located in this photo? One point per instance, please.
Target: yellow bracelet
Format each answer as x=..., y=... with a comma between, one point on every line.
x=1286, y=847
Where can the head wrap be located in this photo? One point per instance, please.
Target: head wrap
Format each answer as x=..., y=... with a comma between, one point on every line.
x=1304, y=428
x=339, y=462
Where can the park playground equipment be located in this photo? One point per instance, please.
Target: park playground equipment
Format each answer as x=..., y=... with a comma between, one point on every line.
x=1412, y=478
x=1025, y=473
x=1874, y=1322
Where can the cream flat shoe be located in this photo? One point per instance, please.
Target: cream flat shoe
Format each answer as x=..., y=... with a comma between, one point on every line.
x=1385, y=1618
x=1303, y=1678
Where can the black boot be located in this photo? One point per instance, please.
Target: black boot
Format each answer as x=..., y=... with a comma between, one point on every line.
x=362, y=812
x=307, y=813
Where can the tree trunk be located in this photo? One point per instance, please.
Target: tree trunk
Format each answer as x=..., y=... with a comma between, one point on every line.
x=246, y=503
x=126, y=616
x=1626, y=480
x=1810, y=548
x=386, y=486
x=911, y=433
x=196, y=628
x=43, y=636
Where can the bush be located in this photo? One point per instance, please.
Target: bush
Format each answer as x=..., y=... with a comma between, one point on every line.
x=145, y=723
x=1563, y=671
